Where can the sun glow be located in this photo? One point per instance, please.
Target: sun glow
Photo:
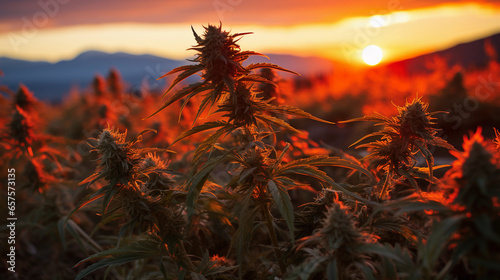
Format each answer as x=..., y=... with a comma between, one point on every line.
x=372, y=55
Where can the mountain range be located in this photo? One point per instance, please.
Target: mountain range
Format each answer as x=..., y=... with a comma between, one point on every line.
x=474, y=54
x=51, y=81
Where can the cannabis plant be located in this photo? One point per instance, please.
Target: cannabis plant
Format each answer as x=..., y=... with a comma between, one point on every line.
x=402, y=137
x=474, y=192
x=262, y=178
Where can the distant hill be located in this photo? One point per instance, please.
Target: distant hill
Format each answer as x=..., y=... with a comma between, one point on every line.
x=50, y=81
x=468, y=55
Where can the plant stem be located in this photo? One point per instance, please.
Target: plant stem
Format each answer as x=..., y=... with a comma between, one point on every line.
x=274, y=239
x=386, y=186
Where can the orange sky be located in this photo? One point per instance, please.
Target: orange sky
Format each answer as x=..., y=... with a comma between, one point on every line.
x=52, y=30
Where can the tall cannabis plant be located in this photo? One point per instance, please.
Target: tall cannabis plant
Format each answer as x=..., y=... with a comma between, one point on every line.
x=263, y=178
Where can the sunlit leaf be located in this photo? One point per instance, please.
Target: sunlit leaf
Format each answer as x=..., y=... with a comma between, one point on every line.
x=199, y=128
x=253, y=66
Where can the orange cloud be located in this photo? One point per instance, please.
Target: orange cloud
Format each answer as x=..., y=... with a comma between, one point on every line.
x=57, y=13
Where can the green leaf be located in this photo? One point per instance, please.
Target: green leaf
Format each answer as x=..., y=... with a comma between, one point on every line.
x=199, y=128
x=428, y=157
x=210, y=99
x=277, y=121
x=230, y=83
x=440, y=142
x=257, y=79
x=188, y=71
x=61, y=224
x=312, y=171
x=280, y=157
x=91, y=179
x=242, y=236
x=138, y=137
x=177, y=69
x=308, y=268
x=292, y=111
x=118, y=256
x=407, y=206
x=245, y=54
x=367, y=272
x=86, y=201
x=209, y=143
x=410, y=178
x=328, y=161
x=76, y=231
x=375, y=117
x=245, y=174
x=380, y=250
x=373, y=134
x=193, y=88
x=437, y=241
x=284, y=204
x=253, y=66
x=197, y=180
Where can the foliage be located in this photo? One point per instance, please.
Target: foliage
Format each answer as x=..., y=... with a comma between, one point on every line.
x=234, y=188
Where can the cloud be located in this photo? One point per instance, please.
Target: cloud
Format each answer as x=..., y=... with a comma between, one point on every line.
x=59, y=13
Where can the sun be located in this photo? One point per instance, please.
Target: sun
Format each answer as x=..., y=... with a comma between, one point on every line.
x=372, y=55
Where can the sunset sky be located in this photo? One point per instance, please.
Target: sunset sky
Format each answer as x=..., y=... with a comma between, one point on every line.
x=53, y=30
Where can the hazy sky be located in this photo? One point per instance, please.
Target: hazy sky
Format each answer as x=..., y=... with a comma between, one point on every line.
x=52, y=30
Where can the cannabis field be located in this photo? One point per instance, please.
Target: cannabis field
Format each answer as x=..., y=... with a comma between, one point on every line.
x=243, y=174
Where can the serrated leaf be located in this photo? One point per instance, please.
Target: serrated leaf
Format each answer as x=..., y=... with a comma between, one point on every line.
x=197, y=180
x=209, y=143
x=253, y=66
x=177, y=69
x=314, y=172
x=284, y=204
x=375, y=117
x=188, y=71
x=87, y=200
x=138, y=137
x=245, y=174
x=327, y=161
x=277, y=121
x=258, y=79
x=199, y=128
x=308, y=268
x=245, y=54
x=119, y=256
x=437, y=240
x=280, y=157
x=440, y=142
x=210, y=99
x=380, y=250
x=193, y=88
x=243, y=234
x=373, y=134
x=230, y=83
x=292, y=111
